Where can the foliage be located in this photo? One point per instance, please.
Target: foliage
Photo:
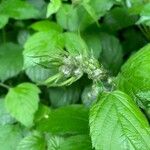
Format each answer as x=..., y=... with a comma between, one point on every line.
x=74, y=74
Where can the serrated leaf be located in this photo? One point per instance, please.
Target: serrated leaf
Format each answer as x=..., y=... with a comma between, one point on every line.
x=10, y=135
x=134, y=75
x=18, y=9
x=11, y=60
x=3, y=20
x=53, y=142
x=35, y=141
x=5, y=117
x=22, y=102
x=57, y=121
x=116, y=123
x=53, y=7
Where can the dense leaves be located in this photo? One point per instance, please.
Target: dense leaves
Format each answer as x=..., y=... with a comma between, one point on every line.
x=74, y=74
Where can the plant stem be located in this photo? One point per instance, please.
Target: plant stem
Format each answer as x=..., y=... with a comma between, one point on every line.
x=4, y=86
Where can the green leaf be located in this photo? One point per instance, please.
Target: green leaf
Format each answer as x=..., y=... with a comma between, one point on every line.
x=38, y=73
x=134, y=75
x=53, y=7
x=92, y=38
x=11, y=60
x=35, y=141
x=42, y=44
x=114, y=21
x=116, y=123
x=111, y=56
x=46, y=25
x=74, y=44
x=63, y=96
x=101, y=6
x=18, y=9
x=3, y=20
x=57, y=121
x=77, y=142
x=73, y=18
x=42, y=112
x=22, y=37
x=145, y=15
x=22, y=102
x=10, y=135
x=5, y=117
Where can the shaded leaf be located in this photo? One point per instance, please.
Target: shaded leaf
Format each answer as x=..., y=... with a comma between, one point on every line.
x=11, y=60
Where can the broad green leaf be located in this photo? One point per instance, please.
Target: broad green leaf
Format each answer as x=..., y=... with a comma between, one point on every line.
x=77, y=142
x=111, y=56
x=22, y=102
x=42, y=44
x=53, y=7
x=10, y=136
x=116, y=123
x=35, y=141
x=63, y=96
x=3, y=20
x=5, y=117
x=74, y=44
x=18, y=9
x=46, y=25
x=70, y=119
x=11, y=60
x=134, y=76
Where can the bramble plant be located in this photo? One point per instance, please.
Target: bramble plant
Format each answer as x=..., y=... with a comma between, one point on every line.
x=74, y=75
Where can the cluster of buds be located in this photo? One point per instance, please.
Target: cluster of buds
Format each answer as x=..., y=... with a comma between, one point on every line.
x=76, y=66
x=71, y=67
